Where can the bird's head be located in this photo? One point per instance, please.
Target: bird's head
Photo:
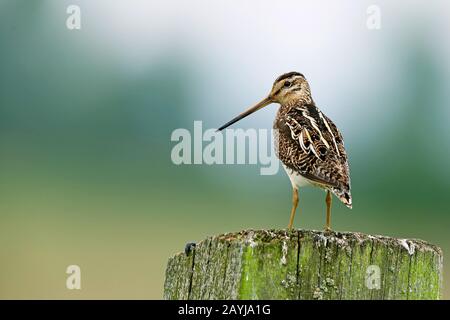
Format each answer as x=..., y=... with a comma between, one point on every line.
x=288, y=88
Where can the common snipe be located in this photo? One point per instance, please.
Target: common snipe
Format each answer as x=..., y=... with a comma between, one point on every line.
x=307, y=142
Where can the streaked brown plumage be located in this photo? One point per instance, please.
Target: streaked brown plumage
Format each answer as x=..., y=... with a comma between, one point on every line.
x=308, y=143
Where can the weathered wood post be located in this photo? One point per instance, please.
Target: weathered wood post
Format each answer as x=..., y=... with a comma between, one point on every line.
x=280, y=264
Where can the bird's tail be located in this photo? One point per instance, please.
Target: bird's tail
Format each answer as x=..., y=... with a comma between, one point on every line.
x=344, y=195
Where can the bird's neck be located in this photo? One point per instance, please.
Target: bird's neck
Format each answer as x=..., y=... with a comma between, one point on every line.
x=296, y=102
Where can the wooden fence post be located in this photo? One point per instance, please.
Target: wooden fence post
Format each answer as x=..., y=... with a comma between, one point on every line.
x=299, y=264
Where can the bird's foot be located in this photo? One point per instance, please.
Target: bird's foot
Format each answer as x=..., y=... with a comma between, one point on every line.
x=327, y=229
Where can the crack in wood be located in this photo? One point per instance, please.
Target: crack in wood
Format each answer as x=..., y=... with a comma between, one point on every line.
x=350, y=272
x=192, y=274
x=297, y=275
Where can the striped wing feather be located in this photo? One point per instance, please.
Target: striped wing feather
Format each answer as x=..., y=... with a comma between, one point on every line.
x=311, y=144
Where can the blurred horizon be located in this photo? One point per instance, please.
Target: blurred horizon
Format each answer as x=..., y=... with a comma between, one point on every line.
x=86, y=118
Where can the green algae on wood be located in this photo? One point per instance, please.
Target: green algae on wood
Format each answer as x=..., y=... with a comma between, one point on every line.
x=299, y=264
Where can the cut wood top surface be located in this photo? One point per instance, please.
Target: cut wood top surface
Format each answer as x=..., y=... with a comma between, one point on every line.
x=253, y=237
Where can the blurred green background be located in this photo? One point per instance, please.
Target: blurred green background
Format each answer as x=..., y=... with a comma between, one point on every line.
x=86, y=118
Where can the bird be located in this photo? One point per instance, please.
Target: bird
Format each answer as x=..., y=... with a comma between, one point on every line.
x=308, y=144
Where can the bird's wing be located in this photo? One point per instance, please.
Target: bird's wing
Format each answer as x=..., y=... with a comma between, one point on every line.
x=316, y=149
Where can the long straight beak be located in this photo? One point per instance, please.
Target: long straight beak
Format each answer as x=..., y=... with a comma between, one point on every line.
x=248, y=112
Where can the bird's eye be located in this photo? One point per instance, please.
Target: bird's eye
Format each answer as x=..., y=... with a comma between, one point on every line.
x=287, y=84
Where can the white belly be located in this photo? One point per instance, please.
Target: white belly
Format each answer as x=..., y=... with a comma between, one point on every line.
x=297, y=180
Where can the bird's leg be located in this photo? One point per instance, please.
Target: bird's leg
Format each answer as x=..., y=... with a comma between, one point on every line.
x=294, y=207
x=328, y=202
